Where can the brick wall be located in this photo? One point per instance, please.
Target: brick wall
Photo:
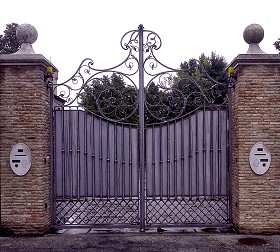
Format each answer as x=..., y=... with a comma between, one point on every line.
x=256, y=118
x=25, y=115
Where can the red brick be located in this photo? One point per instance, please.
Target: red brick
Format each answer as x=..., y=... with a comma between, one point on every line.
x=25, y=118
x=255, y=118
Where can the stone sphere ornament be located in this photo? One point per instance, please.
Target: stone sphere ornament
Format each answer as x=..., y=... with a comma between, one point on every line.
x=26, y=35
x=253, y=33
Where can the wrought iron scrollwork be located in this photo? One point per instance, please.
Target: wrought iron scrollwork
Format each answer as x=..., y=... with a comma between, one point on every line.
x=169, y=93
x=91, y=89
x=178, y=93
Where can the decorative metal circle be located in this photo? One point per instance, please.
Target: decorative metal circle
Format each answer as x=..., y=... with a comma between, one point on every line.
x=253, y=33
x=26, y=33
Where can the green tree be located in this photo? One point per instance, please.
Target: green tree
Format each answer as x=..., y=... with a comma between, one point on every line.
x=167, y=96
x=203, y=81
x=8, y=41
x=196, y=84
x=277, y=44
x=156, y=103
x=111, y=97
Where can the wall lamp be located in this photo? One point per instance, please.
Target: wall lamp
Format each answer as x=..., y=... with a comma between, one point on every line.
x=48, y=77
x=232, y=77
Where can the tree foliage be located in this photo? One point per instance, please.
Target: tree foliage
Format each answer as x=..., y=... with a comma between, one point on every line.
x=277, y=44
x=197, y=79
x=195, y=84
x=111, y=97
x=8, y=41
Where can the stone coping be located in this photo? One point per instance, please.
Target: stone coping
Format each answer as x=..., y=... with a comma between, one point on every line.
x=25, y=59
x=255, y=59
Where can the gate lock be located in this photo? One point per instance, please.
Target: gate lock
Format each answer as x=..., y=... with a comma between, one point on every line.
x=20, y=159
x=260, y=158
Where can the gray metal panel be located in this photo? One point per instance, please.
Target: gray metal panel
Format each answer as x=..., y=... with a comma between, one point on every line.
x=188, y=157
x=94, y=157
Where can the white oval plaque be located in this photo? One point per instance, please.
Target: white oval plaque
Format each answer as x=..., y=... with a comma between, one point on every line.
x=20, y=159
x=259, y=158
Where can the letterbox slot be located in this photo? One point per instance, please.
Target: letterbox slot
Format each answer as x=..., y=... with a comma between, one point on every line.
x=20, y=155
x=264, y=160
x=260, y=154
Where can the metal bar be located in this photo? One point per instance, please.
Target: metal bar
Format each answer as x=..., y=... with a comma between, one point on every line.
x=92, y=139
x=204, y=152
x=63, y=154
x=190, y=158
x=100, y=158
x=219, y=155
x=141, y=130
x=86, y=154
x=130, y=162
x=153, y=163
x=211, y=155
x=168, y=161
x=125, y=225
x=175, y=159
x=107, y=172
x=71, y=170
x=123, y=164
x=115, y=162
x=161, y=164
x=182, y=159
x=196, y=155
x=78, y=154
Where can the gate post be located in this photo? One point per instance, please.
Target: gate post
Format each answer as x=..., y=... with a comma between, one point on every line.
x=255, y=118
x=25, y=119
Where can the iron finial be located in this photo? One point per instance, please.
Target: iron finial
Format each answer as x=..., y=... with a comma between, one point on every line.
x=140, y=27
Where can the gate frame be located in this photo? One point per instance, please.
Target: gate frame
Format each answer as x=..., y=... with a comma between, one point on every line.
x=141, y=105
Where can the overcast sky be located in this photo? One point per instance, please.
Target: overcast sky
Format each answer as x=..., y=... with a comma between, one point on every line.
x=69, y=31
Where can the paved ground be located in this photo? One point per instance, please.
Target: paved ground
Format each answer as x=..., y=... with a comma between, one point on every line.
x=131, y=240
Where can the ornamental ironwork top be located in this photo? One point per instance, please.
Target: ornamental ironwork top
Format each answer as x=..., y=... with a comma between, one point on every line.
x=141, y=80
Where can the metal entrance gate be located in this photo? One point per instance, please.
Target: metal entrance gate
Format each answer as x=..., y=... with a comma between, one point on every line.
x=146, y=146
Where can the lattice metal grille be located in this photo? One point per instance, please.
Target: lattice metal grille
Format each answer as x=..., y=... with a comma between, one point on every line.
x=97, y=211
x=187, y=211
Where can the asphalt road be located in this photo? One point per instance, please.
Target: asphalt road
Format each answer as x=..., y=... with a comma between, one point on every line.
x=135, y=241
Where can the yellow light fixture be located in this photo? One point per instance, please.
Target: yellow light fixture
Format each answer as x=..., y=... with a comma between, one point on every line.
x=231, y=70
x=48, y=77
x=49, y=70
x=232, y=77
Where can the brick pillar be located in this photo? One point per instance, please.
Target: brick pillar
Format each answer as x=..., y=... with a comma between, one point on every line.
x=256, y=118
x=25, y=118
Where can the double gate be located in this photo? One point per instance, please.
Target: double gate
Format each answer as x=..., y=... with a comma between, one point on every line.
x=140, y=143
